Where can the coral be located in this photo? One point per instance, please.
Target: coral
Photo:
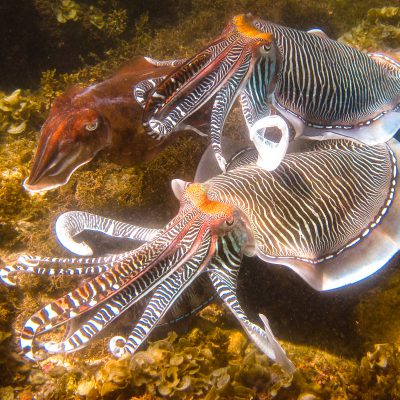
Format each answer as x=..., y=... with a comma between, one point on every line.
x=380, y=30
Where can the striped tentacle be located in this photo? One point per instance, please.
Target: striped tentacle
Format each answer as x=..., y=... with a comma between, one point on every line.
x=81, y=266
x=72, y=223
x=222, y=104
x=224, y=271
x=55, y=266
x=142, y=89
x=116, y=303
x=134, y=279
x=317, y=203
x=166, y=294
x=329, y=84
x=179, y=80
x=192, y=84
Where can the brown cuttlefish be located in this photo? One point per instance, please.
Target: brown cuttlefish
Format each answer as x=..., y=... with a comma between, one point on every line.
x=105, y=115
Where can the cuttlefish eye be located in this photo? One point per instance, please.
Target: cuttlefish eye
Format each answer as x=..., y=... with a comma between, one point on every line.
x=265, y=48
x=92, y=126
x=230, y=221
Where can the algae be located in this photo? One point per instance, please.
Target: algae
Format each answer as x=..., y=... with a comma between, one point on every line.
x=380, y=30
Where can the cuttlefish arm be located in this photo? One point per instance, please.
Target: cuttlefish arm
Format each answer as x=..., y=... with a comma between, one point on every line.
x=224, y=271
x=72, y=223
x=230, y=64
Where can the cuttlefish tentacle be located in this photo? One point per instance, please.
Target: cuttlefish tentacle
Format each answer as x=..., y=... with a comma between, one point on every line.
x=223, y=272
x=157, y=257
x=72, y=223
x=143, y=88
x=116, y=303
x=181, y=244
x=222, y=104
x=54, y=266
x=195, y=82
x=165, y=296
x=165, y=63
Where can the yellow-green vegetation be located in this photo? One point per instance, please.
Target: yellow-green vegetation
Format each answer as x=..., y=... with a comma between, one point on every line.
x=378, y=314
x=216, y=362
x=380, y=30
x=16, y=109
x=112, y=22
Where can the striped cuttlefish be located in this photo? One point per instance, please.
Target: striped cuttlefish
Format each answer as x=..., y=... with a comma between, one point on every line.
x=302, y=82
x=330, y=211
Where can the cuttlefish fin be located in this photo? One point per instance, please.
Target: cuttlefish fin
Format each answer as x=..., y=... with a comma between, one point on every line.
x=318, y=32
x=372, y=133
x=386, y=61
x=358, y=261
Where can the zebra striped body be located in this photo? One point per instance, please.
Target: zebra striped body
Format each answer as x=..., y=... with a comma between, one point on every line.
x=329, y=84
x=312, y=82
x=317, y=213
x=330, y=207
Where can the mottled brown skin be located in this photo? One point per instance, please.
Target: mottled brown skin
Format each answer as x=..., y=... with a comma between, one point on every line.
x=83, y=121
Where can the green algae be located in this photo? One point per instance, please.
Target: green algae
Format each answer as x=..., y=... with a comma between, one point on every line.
x=380, y=30
x=218, y=362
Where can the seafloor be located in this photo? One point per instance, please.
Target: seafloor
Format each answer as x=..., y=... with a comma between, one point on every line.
x=345, y=344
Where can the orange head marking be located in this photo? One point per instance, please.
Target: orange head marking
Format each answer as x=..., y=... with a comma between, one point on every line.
x=245, y=27
x=197, y=194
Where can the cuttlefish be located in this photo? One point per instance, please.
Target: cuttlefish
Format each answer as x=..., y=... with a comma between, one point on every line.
x=330, y=212
x=304, y=82
x=105, y=115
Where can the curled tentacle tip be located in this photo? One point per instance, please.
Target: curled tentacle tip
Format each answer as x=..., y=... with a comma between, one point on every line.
x=5, y=276
x=117, y=346
x=65, y=235
x=270, y=152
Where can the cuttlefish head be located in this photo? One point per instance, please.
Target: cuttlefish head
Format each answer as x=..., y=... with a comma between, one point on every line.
x=69, y=138
x=224, y=66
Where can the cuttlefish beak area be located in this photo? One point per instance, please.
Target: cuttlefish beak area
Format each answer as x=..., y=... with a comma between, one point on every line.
x=229, y=59
x=69, y=138
x=158, y=271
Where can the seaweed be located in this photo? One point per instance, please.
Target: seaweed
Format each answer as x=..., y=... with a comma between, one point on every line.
x=380, y=30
